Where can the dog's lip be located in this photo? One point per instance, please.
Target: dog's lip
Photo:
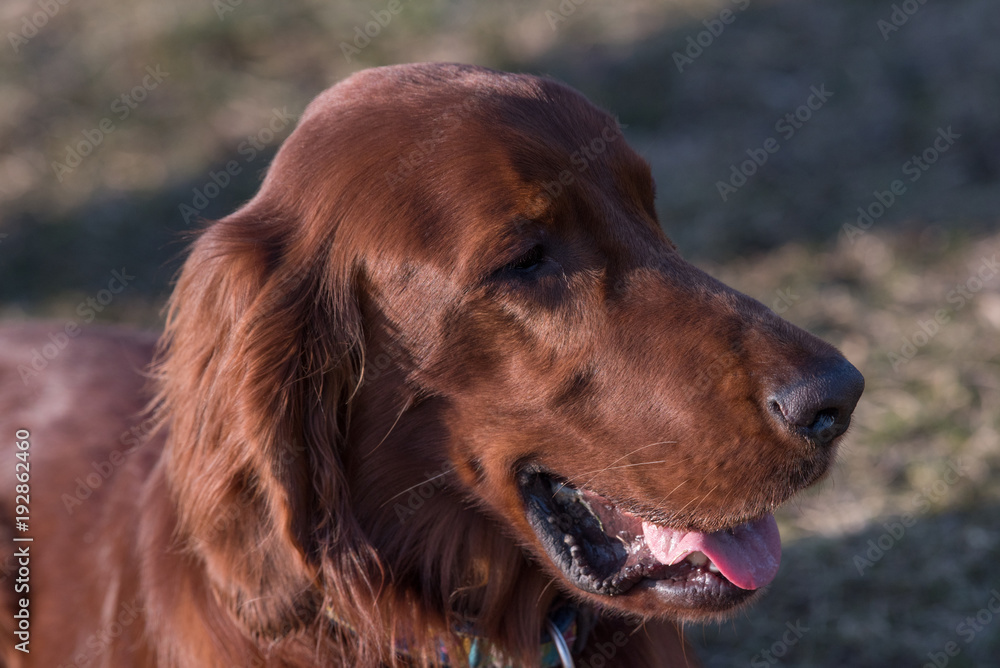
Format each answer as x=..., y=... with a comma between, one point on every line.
x=606, y=550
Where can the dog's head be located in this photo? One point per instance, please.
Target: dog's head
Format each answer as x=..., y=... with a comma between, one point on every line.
x=453, y=299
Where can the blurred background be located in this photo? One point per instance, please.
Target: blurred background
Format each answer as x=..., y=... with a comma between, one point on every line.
x=837, y=159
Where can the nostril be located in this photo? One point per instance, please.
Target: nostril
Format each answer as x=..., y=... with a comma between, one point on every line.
x=818, y=407
x=791, y=412
x=824, y=426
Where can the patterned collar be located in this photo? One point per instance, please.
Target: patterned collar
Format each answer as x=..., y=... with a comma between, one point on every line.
x=566, y=630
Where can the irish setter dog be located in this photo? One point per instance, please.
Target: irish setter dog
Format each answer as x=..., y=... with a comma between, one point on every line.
x=441, y=393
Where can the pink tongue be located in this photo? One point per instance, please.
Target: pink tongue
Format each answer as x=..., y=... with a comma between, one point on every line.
x=748, y=556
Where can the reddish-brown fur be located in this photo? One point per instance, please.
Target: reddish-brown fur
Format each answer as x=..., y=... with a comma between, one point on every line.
x=350, y=334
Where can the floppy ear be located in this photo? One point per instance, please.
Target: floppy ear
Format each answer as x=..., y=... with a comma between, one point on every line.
x=257, y=366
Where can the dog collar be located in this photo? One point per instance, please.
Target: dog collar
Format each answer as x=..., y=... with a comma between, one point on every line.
x=565, y=633
x=564, y=627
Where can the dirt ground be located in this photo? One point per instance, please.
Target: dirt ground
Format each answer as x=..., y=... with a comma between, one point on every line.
x=838, y=160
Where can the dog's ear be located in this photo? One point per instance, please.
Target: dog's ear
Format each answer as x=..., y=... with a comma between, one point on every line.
x=256, y=368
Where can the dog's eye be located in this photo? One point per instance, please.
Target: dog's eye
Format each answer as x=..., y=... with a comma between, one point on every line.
x=529, y=261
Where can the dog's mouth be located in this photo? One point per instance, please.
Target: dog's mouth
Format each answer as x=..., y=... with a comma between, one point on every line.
x=605, y=550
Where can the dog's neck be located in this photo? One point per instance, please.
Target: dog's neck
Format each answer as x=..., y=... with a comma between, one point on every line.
x=567, y=628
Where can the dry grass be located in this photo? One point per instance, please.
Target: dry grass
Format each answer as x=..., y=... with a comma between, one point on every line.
x=925, y=444
x=867, y=295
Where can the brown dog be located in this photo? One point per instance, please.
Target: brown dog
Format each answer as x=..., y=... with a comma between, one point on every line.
x=442, y=387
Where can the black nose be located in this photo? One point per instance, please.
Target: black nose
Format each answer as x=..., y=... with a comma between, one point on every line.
x=818, y=406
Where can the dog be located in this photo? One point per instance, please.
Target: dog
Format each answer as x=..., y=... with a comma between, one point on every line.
x=441, y=393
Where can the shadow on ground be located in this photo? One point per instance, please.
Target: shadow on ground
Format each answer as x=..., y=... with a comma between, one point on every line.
x=887, y=99
x=887, y=596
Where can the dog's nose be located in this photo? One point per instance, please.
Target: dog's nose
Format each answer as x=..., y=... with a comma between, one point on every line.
x=818, y=406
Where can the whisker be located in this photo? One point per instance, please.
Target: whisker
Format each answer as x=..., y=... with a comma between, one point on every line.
x=700, y=498
x=659, y=503
x=606, y=468
x=422, y=482
x=625, y=456
x=623, y=466
x=551, y=582
x=406, y=406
